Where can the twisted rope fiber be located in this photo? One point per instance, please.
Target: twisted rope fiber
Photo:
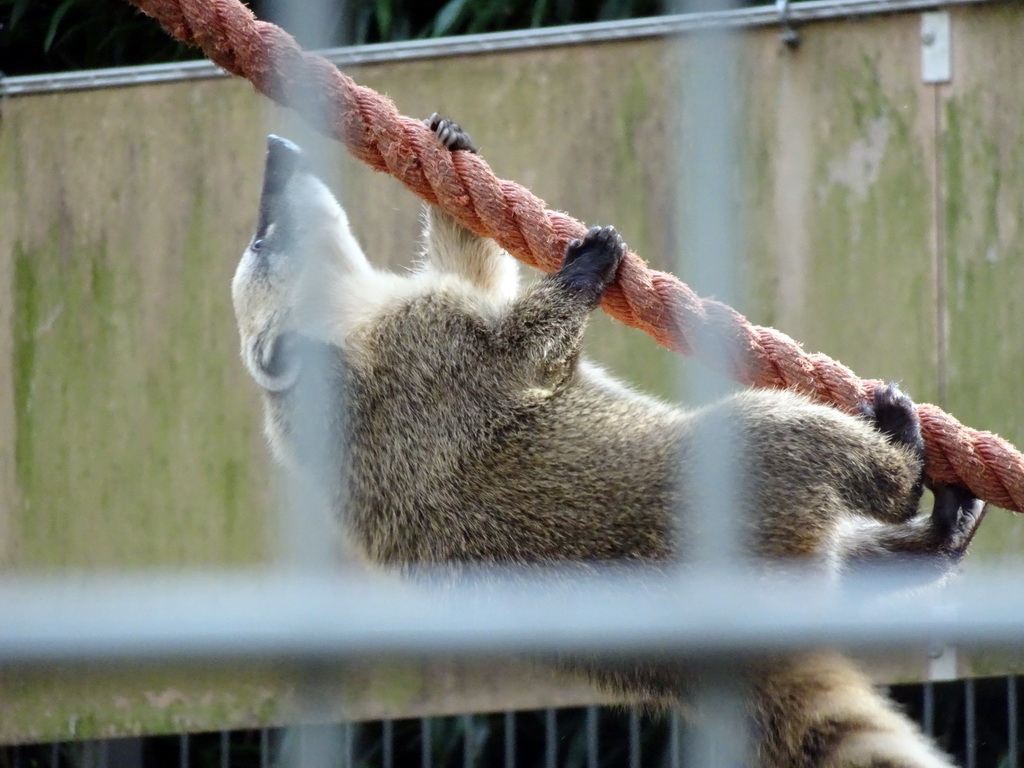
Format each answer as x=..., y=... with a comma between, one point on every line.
x=463, y=185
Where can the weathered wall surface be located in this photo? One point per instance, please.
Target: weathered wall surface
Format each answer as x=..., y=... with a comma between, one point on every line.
x=883, y=228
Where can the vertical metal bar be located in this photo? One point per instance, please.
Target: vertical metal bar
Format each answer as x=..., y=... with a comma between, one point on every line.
x=720, y=739
x=929, y=708
x=707, y=248
x=634, y=738
x=715, y=492
x=348, y=745
x=183, y=750
x=467, y=741
x=225, y=749
x=550, y=739
x=264, y=748
x=1011, y=720
x=426, y=748
x=388, y=737
x=970, y=724
x=675, y=738
x=55, y=754
x=312, y=746
x=592, y=715
x=939, y=250
x=87, y=754
x=510, y=739
x=306, y=518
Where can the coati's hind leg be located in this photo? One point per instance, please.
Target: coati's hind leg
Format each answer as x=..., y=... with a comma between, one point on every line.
x=939, y=540
x=451, y=248
x=955, y=519
x=943, y=536
x=541, y=334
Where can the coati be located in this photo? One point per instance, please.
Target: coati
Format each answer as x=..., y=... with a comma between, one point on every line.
x=473, y=433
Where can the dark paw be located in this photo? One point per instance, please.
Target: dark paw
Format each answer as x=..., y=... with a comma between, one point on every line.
x=894, y=415
x=955, y=518
x=590, y=264
x=450, y=134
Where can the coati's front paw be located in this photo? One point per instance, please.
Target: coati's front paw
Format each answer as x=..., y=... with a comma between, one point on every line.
x=450, y=134
x=590, y=264
x=955, y=518
x=894, y=415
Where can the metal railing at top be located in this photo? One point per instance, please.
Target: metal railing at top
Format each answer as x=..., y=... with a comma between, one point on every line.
x=467, y=45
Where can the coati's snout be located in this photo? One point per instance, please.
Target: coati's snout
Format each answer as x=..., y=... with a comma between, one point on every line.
x=289, y=274
x=266, y=282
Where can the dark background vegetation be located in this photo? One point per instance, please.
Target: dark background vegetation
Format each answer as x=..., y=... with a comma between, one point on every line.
x=59, y=35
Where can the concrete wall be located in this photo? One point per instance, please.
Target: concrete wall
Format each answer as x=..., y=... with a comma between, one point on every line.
x=884, y=228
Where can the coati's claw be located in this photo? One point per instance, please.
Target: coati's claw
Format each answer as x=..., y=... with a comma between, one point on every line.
x=450, y=134
x=955, y=518
x=590, y=264
x=895, y=416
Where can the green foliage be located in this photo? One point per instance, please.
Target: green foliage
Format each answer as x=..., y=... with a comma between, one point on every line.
x=57, y=35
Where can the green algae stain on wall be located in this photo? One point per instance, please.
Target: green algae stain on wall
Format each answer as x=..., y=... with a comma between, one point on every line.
x=23, y=363
x=62, y=365
x=871, y=232
x=981, y=153
x=136, y=430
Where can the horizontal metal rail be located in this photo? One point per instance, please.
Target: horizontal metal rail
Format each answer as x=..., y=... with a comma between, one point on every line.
x=146, y=617
x=628, y=29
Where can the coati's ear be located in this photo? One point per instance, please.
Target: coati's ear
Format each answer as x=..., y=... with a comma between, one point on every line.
x=273, y=360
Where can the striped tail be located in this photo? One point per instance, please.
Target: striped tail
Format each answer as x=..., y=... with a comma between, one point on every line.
x=819, y=711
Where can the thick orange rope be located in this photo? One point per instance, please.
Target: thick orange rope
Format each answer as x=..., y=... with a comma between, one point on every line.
x=463, y=184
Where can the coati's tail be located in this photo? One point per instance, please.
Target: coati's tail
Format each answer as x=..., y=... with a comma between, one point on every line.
x=818, y=711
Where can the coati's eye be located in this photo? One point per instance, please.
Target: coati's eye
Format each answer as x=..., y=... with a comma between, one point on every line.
x=257, y=244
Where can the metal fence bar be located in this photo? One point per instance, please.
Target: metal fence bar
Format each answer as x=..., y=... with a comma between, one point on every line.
x=970, y=723
x=225, y=749
x=707, y=247
x=388, y=745
x=928, y=716
x=592, y=744
x=143, y=617
x=510, y=739
x=550, y=739
x=675, y=741
x=634, y=738
x=1011, y=720
x=309, y=616
x=467, y=741
x=183, y=750
x=426, y=744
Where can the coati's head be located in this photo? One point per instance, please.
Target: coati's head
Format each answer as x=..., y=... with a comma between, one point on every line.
x=281, y=281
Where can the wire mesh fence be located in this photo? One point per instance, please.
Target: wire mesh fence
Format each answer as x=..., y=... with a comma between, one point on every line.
x=975, y=720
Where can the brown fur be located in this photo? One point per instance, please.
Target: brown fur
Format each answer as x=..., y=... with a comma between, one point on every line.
x=473, y=434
